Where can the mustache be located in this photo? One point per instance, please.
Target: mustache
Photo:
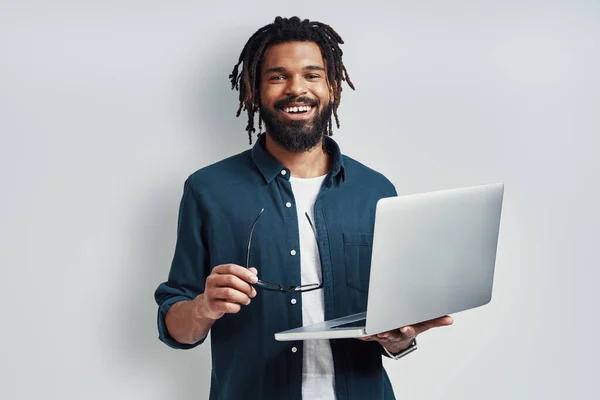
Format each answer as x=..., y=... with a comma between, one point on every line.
x=290, y=100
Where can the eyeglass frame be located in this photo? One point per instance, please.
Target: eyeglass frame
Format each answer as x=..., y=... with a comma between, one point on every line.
x=274, y=287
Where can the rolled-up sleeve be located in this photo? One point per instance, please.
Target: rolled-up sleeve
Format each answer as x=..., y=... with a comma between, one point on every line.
x=189, y=267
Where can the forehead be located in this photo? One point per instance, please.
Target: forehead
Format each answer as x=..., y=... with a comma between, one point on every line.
x=293, y=55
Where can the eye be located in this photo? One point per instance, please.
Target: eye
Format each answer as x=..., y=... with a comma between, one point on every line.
x=277, y=78
x=313, y=76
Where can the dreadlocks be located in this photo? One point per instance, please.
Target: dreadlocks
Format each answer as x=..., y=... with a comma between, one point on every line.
x=286, y=30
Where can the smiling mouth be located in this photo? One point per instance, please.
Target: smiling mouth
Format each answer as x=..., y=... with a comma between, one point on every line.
x=296, y=110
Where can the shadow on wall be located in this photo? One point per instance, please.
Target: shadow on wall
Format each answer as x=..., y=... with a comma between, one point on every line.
x=215, y=105
x=153, y=236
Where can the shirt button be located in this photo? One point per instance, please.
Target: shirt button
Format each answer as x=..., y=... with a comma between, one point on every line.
x=283, y=172
x=293, y=301
x=294, y=349
x=288, y=204
x=293, y=252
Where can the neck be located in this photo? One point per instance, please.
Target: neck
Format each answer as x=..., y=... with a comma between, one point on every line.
x=307, y=164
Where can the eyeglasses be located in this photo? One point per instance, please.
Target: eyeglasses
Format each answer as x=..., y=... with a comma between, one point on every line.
x=266, y=285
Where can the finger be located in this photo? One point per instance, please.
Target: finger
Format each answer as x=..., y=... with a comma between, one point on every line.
x=255, y=272
x=408, y=332
x=387, y=335
x=423, y=327
x=234, y=282
x=243, y=273
x=230, y=295
x=441, y=321
x=433, y=323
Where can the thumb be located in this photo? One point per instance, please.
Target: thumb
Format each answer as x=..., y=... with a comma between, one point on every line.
x=408, y=332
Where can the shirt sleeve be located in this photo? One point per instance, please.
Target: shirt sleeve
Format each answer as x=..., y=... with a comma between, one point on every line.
x=392, y=190
x=189, y=267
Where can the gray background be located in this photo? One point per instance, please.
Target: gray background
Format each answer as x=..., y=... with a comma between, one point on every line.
x=107, y=106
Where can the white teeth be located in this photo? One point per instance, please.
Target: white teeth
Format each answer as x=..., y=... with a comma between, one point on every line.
x=297, y=109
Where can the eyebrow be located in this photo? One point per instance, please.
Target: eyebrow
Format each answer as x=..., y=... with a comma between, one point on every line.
x=282, y=69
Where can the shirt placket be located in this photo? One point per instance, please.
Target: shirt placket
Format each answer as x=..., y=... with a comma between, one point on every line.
x=292, y=276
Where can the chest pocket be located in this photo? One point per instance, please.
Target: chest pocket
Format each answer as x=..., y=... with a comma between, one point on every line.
x=358, y=248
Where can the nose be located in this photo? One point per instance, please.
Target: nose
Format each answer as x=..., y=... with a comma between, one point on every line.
x=296, y=86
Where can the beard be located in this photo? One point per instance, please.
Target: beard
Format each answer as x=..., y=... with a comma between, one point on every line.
x=296, y=136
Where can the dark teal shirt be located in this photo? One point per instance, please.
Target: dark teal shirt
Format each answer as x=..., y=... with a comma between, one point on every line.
x=218, y=207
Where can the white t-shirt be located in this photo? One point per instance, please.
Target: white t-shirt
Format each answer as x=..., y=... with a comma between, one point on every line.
x=317, y=361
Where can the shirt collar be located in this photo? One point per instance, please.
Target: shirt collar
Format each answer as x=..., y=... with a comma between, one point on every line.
x=269, y=167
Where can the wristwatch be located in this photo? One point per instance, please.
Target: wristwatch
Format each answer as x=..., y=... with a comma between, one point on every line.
x=408, y=350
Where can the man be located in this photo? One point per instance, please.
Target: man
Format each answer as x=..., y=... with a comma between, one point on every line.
x=280, y=236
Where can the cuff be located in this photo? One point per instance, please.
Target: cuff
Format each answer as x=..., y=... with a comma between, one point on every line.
x=399, y=355
x=163, y=333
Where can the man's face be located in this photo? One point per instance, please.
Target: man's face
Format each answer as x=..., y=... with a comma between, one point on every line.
x=295, y=95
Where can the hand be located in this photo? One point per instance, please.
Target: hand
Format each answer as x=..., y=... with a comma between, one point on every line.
x=227, y=288
x=399, y=339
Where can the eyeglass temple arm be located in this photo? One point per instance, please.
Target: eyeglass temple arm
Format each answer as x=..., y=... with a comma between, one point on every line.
x=250, y=237
x=311, y=224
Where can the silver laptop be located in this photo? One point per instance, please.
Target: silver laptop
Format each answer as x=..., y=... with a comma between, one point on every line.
x=434, y=254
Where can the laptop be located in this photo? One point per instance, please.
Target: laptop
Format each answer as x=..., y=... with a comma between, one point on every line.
x=434, y=254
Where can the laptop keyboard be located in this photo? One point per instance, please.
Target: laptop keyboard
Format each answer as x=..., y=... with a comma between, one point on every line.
x=360, y=323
